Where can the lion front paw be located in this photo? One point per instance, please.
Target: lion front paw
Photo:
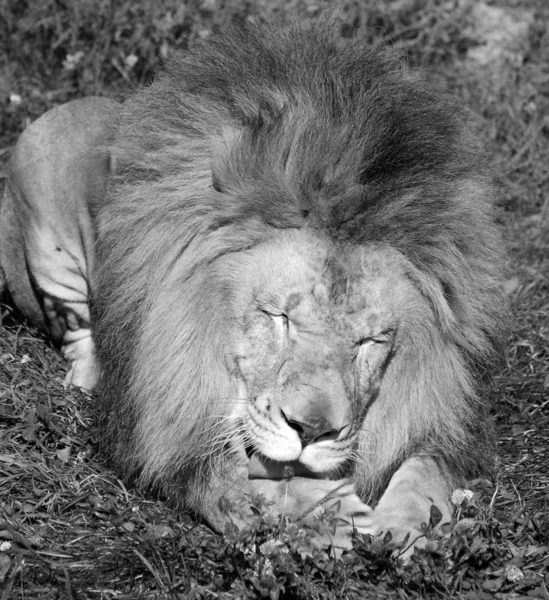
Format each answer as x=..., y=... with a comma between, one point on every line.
x=332, y=520
x=329, y=510
x=408, y=529
x=342, y=513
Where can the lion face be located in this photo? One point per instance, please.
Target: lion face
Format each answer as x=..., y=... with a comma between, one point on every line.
x=317, y=328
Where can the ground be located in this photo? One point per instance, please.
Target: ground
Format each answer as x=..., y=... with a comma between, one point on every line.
x=70, y=529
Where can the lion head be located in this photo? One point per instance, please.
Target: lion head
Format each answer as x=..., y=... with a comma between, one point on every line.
x=297, y=260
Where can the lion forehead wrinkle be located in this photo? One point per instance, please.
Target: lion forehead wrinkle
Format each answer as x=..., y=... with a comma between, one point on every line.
x=283, y=267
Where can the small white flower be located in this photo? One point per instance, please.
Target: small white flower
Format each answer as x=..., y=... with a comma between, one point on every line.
x=268, y=570
x=464, y=525
x=5, y=546
x=271, y=517
x=131, y=60
x=81, y=456
x=15, y=99
x=293, y=530
x=459, y=496
x=321, y=514
x=72, y=60
x=271, y=547
x=436, y=534
x=513, y=574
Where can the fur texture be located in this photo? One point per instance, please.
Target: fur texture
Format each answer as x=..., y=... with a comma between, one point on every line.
x=259, y=131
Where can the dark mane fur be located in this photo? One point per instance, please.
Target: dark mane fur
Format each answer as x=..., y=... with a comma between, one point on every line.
x=261, y=128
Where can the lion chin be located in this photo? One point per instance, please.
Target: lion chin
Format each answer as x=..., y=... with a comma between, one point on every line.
x=279, y=270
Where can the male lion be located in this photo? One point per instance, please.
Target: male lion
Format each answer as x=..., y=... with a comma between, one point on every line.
x=288, y=249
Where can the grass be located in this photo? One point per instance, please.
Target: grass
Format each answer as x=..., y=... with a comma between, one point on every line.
x=70, y=529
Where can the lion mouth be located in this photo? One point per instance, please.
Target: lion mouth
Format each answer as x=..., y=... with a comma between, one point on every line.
x=261, y=467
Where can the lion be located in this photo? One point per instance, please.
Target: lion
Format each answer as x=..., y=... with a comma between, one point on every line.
x=279, y=267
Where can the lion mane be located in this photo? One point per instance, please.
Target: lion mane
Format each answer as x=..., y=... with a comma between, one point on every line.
x=260, y=132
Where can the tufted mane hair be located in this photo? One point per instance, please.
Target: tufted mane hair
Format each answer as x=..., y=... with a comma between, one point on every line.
x=260, y=128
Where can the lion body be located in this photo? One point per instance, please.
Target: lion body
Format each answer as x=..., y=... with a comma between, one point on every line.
x=295, y=263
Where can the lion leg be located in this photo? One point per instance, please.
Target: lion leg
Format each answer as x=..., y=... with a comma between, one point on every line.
x=406, y=503
x=331, y=509
x=56, y=173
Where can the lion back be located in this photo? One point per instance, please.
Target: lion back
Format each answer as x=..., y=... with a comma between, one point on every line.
x=265, y=127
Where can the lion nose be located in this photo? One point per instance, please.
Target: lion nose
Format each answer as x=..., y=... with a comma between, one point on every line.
x=313, y=429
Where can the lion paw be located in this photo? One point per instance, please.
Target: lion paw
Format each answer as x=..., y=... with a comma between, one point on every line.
x=80, y=352
x=334, y=518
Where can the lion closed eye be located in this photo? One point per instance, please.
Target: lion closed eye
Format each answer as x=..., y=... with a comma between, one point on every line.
x=281, y=257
